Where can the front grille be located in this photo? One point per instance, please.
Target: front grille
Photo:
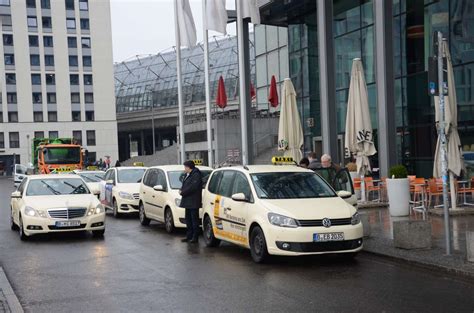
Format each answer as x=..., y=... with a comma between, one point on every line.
x=318, y=223
x=66, y=214
x=54, y=227
x=321, y=246
x=136, y=196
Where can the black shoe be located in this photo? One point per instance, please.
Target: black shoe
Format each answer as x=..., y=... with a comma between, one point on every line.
x=195, y=240
x=184, y=240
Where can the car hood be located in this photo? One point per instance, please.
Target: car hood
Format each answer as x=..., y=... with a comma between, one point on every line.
x=311, y=209
x=62, y=201
x=130, y=188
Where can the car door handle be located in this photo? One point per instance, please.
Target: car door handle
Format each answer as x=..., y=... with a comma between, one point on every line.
x=228, y=209
x=212, y=203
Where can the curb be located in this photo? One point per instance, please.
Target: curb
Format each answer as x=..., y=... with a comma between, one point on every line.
x=12, y=300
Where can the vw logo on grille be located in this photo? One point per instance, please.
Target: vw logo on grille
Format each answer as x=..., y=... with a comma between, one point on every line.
x=326, y=222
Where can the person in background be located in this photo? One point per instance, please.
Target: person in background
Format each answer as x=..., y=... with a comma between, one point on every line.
x=191, y=200
x=100, y=164
x=107, y=162
x=313, y=161
x=304, y=162
x=326, y=161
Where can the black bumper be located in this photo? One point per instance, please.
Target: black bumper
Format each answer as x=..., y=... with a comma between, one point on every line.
x=319, y=246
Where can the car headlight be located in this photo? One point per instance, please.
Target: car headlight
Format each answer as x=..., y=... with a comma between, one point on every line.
x=125, y=195
x=355, y=219
x=29, y=211
x=177, y=201
x=97, y=210
x=282, y=221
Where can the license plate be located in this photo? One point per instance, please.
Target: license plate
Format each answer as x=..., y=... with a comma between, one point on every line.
x=68, y=223
x=328, y=237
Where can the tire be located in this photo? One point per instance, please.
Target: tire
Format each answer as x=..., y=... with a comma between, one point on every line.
x=145, y=221
x=169, y=221
x=208, y=233
x=13, y=226
x=258, y=245
x=21, y=230
x=98, y=233
x=115, y=209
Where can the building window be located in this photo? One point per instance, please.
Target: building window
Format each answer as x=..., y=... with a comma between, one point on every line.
x=88, y=79
x=85, y=23
x=2, y=141
x=73, y=61
x=51, y=97
x=90, y=134
x=10, y=78
x=53, y=134
x=31, y=3
x=90, y=116
x=71, y=42
x=45, y=4
x=69, y=4
x=38, y=116
x=75, y=97
x=71, y=23
x=8, y=40
x=77, y=136
x=33, y=40
x=11, y=97
x=86, y=42
x=14, y=140
x=49, y=60
x=37, y=97
x=47, y=22
x=76, y=116
x=50, y=79
x=34, y=59
x=36, y=79
x=6, y=20
x=9, y=59
x=83, y=5
x=39, y=134
x=32, y=22
x=87, y=60
x=5, y=2
x=52, y=116
x=74, y=79
x=13, y=117
x=89, y=97
x=48, y=41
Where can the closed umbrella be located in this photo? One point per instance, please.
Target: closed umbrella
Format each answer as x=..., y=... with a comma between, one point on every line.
x=455, y=163
x=273, y=93
x=221, y=99
x=290, y=131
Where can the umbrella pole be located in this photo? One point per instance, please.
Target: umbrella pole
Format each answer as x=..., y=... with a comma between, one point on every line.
x=452, y=187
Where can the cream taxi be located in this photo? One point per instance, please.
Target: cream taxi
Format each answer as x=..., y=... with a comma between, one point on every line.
x=120, y=189
x=278, y=210
x=55, y=203
x=92, y=179
x=159, y=195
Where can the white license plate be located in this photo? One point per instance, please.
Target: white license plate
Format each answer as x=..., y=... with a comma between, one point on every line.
x=328, y=237
x=68, y=223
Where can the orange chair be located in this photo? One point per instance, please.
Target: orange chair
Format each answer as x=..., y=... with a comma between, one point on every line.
x=417, y=185
x=371, y=187
x=466, y=190
x=434, y=190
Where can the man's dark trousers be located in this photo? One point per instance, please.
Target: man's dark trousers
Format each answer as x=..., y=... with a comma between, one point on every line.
x=192, y=223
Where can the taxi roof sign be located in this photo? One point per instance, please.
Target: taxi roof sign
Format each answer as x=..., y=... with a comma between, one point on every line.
x=197, y=162
x=283, y=160
x=138, y=164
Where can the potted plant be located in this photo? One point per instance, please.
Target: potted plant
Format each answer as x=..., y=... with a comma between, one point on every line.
x=398, y=191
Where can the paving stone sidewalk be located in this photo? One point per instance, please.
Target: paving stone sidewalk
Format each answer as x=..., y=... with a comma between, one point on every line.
x=8, y=301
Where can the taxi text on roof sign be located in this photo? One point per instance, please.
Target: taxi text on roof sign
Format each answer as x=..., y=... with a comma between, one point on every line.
x=197, y=162
x=282, y=160
x=138, y=164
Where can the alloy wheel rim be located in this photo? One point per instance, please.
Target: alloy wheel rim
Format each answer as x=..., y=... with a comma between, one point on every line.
x=258, y=244
x=168, y=220
x=142, y=214
x=208, y=229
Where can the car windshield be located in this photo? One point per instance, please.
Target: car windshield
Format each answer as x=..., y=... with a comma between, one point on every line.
x=92, y=177
x=291, y=185
x=176, y=178
x=56, y=186
x=130, y=176
x=62, y=155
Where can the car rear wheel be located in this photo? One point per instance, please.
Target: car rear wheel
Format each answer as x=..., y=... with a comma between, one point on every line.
x=208, y=233
x=142, y=216
x=98, y=233
x=23, y=236
x=258, y=245
x=116, y=212
x=13, y=226
x=169, y=221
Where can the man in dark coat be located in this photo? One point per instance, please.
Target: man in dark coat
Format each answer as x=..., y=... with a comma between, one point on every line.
x=191, y=200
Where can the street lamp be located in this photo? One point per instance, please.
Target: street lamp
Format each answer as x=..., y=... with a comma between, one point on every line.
x=150, y=93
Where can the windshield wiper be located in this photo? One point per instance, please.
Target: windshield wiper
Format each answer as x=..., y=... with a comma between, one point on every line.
x=54, y=191
x=76, y=188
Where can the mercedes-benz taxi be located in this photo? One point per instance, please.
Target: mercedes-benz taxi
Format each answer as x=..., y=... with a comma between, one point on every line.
x=278, y=210
x=55, y=203
x=160, y=198
x=120, y=190
x=92, y=179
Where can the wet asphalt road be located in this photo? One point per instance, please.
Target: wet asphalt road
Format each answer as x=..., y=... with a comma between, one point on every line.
x=143, y=269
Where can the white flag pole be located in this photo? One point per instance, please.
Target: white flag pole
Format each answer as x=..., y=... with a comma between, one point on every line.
x=180, y=87
x=210, y=153
x=242, y=83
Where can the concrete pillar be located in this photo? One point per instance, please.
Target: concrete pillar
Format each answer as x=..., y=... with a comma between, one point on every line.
x=142, y=142
x=385, y=86
x=327, y=72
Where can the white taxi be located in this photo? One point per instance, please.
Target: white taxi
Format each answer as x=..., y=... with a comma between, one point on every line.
x=278, y=210
x=120, y=189
x=92, y=179
x=160, y=198
x=55, y=203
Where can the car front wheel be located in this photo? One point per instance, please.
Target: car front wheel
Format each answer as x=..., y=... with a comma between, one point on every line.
x=141, y=213
x=23, y=236
x=169, y=221
x=208, y=233
x=258, y=245
x=13, y=226
x=116, y=212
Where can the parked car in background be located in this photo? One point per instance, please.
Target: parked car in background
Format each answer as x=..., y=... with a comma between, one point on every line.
x=92, y=179
x=19, y=173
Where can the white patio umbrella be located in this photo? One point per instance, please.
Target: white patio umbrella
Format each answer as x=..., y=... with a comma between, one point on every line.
x=455, y=163
x=290, y=131
x=359, y=135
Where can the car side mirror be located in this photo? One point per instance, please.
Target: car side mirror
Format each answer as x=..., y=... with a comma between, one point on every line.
x=109, y=182
x=344, y=194
x=240, y=197
x=16, y=195
x=159, y=188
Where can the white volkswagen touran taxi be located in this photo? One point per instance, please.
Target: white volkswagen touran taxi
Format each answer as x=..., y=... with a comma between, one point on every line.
x=278, y=210
x=160, y=198
x=55, y=203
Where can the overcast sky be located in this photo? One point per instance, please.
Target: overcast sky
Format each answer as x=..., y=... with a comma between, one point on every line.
x=141, y=27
